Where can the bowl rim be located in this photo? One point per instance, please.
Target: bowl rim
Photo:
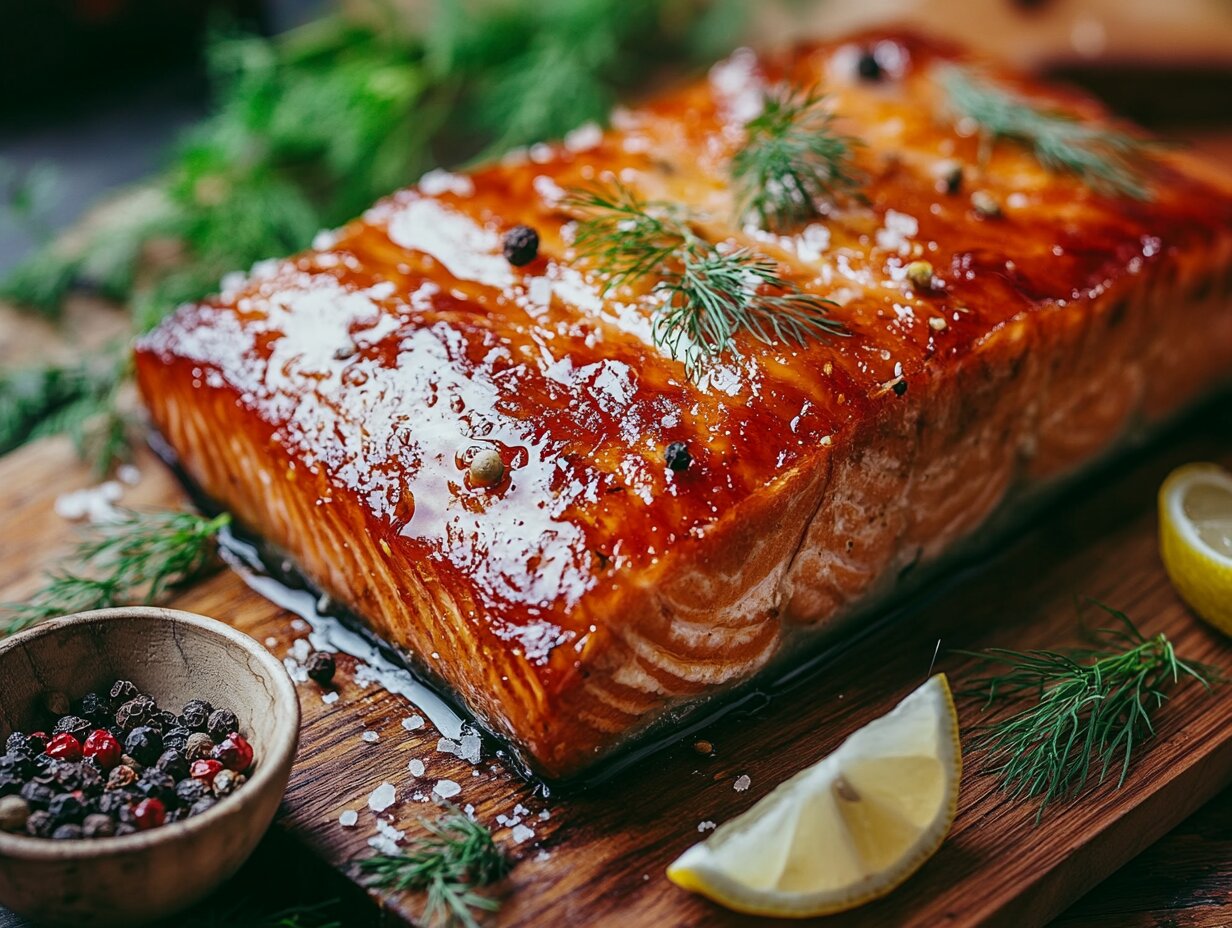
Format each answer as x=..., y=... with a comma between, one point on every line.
x=279, y=756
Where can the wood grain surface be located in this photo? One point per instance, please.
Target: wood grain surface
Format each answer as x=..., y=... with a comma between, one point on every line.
x=598, y=856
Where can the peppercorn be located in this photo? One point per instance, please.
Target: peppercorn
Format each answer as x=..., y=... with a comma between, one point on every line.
x=899, y=388
x=121, y=777
x=202, y=805
x=113, y=802
x=176, y=738
x=199, y=746
x=985, y=205
x=205, y=770
x=172, y=762
x=36, y=743
x=124, y=828
x=66, y=807
x=149, y=813
x=868, y=68
x=21, y=765
x=190, y=790
x=98, y=825
x=89, y=778
x=64, y=747
x=222, y=722
x=487, y=470
x=521, y=245
x=920, y=274
x=137, y=711
x=321, y=667
x=37, y=794
x=123, y=691
x=129, y=761
x=103, y=747
x=156, y=784
x=10, y=782
x=67, y=833
x=75, y=725
x=144, y=743
x=227, y=782
x=39, y=824
x=234, y=753
x=677, y=456
x=196, y=714
x=96, y=708
x=13, y=813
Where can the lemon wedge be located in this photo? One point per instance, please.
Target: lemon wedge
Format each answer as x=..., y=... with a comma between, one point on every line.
x=1195, y=539
x=846, y=830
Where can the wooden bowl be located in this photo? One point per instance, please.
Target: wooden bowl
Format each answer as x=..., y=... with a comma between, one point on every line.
x=173, y=656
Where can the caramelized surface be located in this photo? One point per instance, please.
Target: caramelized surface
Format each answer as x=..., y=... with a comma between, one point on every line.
x=365, y=373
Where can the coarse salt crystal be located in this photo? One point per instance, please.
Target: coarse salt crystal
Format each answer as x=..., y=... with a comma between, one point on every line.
x=413, y=723
x=742, y=783
x=521, y=834
x=329, y=698
x=416, y=766
x=370, y=736
x=382, y=797
x=446, y=789
x=705, y=826
x=348, y=818
x=127, y=473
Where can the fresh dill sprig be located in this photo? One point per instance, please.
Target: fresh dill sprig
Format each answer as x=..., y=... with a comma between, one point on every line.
x=456, y=857
x=1108, y=160
x=1090, y=707
x=711, y=293
x=790, y=160
x=135, y=559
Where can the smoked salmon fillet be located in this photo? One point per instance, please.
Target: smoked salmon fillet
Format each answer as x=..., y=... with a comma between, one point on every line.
x=334, y=401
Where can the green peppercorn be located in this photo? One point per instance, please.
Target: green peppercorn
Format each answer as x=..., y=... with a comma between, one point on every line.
x=487, y=469
x=14, y=811
x=920, y=274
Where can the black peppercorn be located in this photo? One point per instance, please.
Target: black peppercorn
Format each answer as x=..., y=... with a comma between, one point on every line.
x=155, y=784
x=39, y=824
x=38, y=795
x=145, y=744
x=10, y=783
x=172, y=762
x=222, y=723
x=111, y=803
x=176, y=739
x=123, y=691
x=98, y=826
x=189, y=791
x=74, y=725
x=868, y=68
x=67, y=833
x=21, y=765
x=202, y=805
x=96, y=708
x=321, y=667
x=135, y=712
x=66, y=807
x=900, y=387
x=677, y=456
x=125, y=828
x=521, y=245
x=18, y=743
x=196, y=714
x=164, y=721
x=90, y=779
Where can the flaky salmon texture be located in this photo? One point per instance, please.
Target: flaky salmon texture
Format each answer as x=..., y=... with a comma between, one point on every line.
x=333, y=401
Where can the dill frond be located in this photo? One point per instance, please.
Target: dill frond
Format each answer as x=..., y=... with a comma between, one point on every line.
x=457, y=857
x=1108, y=160
x=791, y=160
x=136, y=559
x=1089, y=708
x=711, y=293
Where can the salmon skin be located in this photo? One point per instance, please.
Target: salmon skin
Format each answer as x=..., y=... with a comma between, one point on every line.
x=333, y=401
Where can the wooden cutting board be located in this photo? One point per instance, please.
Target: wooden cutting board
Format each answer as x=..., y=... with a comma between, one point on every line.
x=597, y=858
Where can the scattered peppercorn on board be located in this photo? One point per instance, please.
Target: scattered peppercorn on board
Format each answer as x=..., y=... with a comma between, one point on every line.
x=598, y=858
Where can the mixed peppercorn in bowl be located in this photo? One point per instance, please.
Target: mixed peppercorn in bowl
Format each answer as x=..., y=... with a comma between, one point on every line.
x=119, y=764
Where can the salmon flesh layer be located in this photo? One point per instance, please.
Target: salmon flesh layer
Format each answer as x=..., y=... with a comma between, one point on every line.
x=333, y=401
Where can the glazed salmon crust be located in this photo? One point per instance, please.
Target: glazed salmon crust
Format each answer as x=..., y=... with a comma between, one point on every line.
x=333, y=401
